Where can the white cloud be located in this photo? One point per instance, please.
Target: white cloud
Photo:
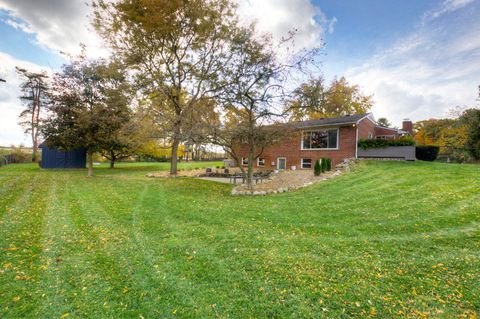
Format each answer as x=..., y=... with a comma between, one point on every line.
x=10, y=105
x=279, y=17
x=62, y=25
x=58, y=25
x=446, y=7
x=331, y=25
x=429, y=72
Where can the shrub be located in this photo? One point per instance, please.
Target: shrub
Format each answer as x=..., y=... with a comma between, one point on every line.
x=317, y=168
x=377, y=143
x=323, y=164
x=427, y=152
x=328, y=164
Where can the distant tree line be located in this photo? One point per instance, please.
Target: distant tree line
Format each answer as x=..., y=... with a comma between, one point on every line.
x=458, y=137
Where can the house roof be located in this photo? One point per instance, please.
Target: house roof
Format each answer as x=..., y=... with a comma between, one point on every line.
x=349, y=119
x=397, y=130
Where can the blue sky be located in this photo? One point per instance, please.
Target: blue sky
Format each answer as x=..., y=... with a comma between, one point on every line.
x=418, y=58
x=364, y=28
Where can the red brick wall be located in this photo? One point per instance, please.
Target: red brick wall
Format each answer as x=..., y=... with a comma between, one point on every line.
x=291, y=149
x=365, y=127
x=385, y=131
x=407, y=126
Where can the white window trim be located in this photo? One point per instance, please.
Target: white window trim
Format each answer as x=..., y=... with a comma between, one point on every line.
x=243, y=161
x=321, y=149
x=311, y=163
x=278, y=162
x=258, y=161
x=383, y=136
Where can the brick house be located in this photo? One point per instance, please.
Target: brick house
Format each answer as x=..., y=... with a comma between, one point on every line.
x=335, y=138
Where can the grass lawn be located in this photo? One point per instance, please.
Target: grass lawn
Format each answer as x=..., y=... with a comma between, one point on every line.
x=392, y=239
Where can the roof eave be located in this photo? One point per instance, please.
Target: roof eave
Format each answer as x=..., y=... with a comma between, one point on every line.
x=328, y=125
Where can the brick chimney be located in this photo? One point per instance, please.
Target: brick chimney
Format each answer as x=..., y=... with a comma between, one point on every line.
x=407, y=126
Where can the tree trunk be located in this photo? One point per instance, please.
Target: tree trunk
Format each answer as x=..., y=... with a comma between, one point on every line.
x=90, y=163
x=37, y=127
x=32, y=127
x=251, y=151
x=174, y=159
x=34, y=151
x=112, y=160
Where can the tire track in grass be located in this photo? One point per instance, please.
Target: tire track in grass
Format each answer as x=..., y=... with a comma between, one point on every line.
x=12, y=187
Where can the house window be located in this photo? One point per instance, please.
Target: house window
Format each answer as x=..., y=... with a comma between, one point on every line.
x=306, y=163
x=244, y=161
x=385, y=137
x=323, y=139
x=260, y=161
x=370, y=136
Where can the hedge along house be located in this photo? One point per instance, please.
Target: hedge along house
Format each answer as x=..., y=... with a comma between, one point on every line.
x=334, y=138
x=57, y=158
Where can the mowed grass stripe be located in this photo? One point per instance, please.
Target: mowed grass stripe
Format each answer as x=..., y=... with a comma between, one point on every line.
x=21, y=244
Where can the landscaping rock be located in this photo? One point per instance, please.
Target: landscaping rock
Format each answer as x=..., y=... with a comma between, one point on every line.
x=284, y=181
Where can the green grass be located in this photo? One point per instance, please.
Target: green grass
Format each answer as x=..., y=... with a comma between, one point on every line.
x=390, y=240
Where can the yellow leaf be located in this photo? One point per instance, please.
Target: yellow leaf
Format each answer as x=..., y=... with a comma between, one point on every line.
x=65, y=315
x=16, y=298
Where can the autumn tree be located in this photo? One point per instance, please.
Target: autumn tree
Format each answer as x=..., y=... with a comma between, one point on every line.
x=452, y=142
x=471, y=119
x=253, y=90
x=34, y=88
x=89, y=106
x=313, y=100
x=428, y=132
x=384, y=122
x=174, y=47
x=124, y=137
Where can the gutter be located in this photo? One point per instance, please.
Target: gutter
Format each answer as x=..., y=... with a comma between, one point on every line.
x=326, y=125
x=356, y=142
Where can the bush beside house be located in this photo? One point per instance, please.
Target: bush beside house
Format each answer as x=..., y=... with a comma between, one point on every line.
x=317, y=169
x=382, y=143
x=427, y=152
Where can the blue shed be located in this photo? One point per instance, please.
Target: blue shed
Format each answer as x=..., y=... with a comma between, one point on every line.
x=55, y=158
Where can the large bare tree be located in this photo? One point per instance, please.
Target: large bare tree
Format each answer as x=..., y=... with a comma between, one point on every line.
x=34, y=88
x=175, y=48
